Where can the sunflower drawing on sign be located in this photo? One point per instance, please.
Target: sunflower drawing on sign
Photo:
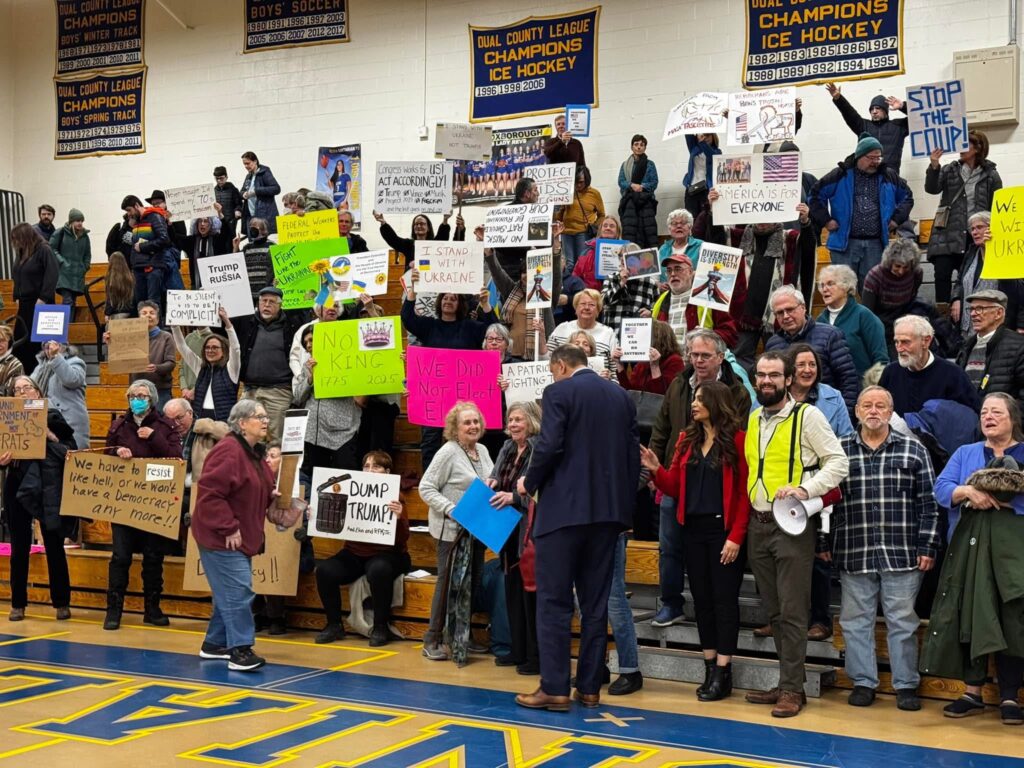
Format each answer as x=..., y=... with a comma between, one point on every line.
x=334, y=278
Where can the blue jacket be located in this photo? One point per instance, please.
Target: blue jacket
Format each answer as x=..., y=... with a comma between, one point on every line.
x=864, y=332
x=265, y=187
x=835, y=191
x=962, y=464
x=698, y=148
x=586, y=460
x=650, y=182
x=829, y=401
x=837, y=367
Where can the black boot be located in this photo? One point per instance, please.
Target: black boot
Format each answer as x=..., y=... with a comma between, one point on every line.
x=153, y=615
x=709, y=667
x=115, y=604
x=720, y=686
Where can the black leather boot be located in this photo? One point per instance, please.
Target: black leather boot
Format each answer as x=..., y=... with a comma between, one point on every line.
x=720, y=686
x=115, y=604
x=152, y=614
x=709, y=667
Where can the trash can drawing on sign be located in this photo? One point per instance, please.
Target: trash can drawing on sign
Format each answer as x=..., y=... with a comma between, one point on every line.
x=331, y=504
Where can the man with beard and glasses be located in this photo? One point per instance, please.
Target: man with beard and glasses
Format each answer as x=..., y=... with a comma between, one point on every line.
x=792, y=452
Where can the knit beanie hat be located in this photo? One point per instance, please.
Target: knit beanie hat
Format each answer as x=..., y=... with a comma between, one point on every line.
x=75, y=215
x=867, y=143
x=881, y=103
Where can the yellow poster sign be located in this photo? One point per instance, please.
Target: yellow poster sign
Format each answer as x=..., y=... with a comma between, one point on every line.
x=1004, y=253
x=318, y=225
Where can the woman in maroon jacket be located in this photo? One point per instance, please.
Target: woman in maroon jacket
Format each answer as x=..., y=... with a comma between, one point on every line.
x=709, y=478
x=140, y=433
x=666, y=362
x=235, y=492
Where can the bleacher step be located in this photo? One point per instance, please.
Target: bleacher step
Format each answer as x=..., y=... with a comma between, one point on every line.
x=686, y=634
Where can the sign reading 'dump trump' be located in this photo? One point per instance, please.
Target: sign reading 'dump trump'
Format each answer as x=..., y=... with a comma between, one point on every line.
x=95, y=35
x=534, y=66
x=273, y=24
x=101, y=114
x=820, y=41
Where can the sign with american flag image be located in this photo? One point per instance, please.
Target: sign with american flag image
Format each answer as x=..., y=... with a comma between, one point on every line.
x=761, y=117
x=756, y=188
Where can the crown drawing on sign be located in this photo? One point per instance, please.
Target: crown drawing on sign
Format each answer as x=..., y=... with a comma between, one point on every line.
x=376, y=334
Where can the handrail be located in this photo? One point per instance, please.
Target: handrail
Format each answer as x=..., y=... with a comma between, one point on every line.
x=95, y=316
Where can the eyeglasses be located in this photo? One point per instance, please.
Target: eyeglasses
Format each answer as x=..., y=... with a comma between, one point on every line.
x=976, y=310
x=703, y=355
x=784, y=311
x=24, y=390
x=773, y=376
x=177, y=419
x=494, y=339
x=262, y=417
x=827, y=284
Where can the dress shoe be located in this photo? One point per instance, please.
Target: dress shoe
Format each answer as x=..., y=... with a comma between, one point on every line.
x=588, y=700
x=628, y=683
x=720, y=686
x=329, y=634
x=763, y=697
x=789, y=704
x=606, y=677
x=378, y=636
x=540, y=700
x=819, y=632
x=765, y=631
x=528, y=668
x=508, y=660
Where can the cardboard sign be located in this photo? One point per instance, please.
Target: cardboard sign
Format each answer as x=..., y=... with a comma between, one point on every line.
x=274, y=572
x=358, y=357
x=439, y=378
x=640, y=263
x=293, y=438
x=196, y=308
x=302, y=270
x=555, y=183
x=540, y=276
x=512, y=226
x=228, y=277
x=194, y=202
x=1004, y=253
x=318, y=225
x=701, y=113
x=527, y=381
x=488, y=525
x=761, y=117
x=414, y=187
x=608, y=257
x=757, y=188
x=635, y=339
x=51, y=322
x=577, y=120
x=140, y=493
x=714, y=280
x=462, y=141
x=128, y=351
x=353, y=506
x=23, y=428
x=937, y=118
x=456, y=267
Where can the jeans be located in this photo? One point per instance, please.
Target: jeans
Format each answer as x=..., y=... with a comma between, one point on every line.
x=573, y=246
x=68, y=296
x=620, y=615
x=275, y=400
x=671, y=562
x=860, y=256
x=149, y=286
x=897, y=591
x=230, y=576
x=492, y=598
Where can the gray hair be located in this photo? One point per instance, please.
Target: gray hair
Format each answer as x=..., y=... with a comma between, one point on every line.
x=784, y=291
x=149, y=386
x=707, y=335
x=243, y=409
x=181, y=402
x=920, y=325
x=679, y=213
x=902, y=252
x=843, y=276
x=529, y=410
x=29, y=379
x=984, y=216
x=875, y=388
x=500, y=330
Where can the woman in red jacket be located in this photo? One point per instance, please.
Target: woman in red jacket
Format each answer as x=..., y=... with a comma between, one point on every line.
x=666, y=362
x=709, y=478
x=236, y=489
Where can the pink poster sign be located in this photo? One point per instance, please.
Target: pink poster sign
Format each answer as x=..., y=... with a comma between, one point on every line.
x=439, y=378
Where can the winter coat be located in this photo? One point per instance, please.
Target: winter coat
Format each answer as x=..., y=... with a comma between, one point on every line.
x=163, y=443
x=10, y=369
x=151, y=234
x=230, y=200
x=206, y=433
x=891, y=134
x=119, y=240
x=406, y=245
x=829, y=401
x=1012, y=287
x=36, y=277
x=700, y=152
x=1004, y=363
x=38, y=484
x=951, y=239
x=837, y=368
x=65, y=389
x=265, y=187
x=864, y=332
x=638, y=212
x=74, y=254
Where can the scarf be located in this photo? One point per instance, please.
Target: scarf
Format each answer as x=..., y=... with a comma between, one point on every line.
x=636, y=168
x=774, y=250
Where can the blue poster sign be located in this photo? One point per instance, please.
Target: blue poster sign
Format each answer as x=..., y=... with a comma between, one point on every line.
x=92, y=35
x=271, y=24
x=821, y=41
x=101, y=114
x=534, y=66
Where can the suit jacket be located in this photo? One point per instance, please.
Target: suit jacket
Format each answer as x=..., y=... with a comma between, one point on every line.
x=586, y=460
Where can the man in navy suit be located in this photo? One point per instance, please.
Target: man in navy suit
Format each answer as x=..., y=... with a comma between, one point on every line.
x=585, y=468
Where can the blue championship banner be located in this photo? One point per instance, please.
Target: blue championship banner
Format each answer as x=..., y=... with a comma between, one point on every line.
x=99, y=34
x=101, y=114
x=821, y=41
x=271, y=24
x=534, y=66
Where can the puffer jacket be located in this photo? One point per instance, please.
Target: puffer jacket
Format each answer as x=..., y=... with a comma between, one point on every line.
x=74, y=254
x=265, y=187
x=947, y=181
x=38, y=484
x=1004, y=362
x=837, y=368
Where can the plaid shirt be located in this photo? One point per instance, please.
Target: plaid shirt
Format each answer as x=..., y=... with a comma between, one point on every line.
x=887, y=517
x=622, y=301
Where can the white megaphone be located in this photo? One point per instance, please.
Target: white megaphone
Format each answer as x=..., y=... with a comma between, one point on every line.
x=792, y=513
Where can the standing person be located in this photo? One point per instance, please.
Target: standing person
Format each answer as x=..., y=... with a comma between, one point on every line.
x=674, y=306
x=588, y=431
x=258, y=192
x=993, y=355
x=664, y=363
x=891, y=134
x=708, y=475
x=562, y=147
x=680, y=243
x=60, y=374
x=44, y=227
x=607, y=228
x=73, y=249
x=231, y=205
x=35, y=271
x=785, y=440
x=969, y=279
x=215, y=371
x=161, y=354
x=10, y=366
x=864, y=332
x=422, y=229
x=580, y=218
x=885, y=537
x=587, y=304
x=152, y=253
x=203, y=241
x=141, y=433
x=236, y=490
x=890, y=289
x=699, y=178
x=120, y=288
x=638, y=208
x=356, y=244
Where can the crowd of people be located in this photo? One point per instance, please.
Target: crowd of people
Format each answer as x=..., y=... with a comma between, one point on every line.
x=867, y=416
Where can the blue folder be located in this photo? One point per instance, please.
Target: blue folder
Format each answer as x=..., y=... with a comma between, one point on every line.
x=487, y=524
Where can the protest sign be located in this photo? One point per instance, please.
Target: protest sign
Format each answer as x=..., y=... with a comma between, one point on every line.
x=701, y=113
x=527, y=381
x=228, y=277
x=413, y=187
x=197, y=308
x=511, y=226
x=515, y=153
x=275, y=571
x=488, y=525
x=937, y=117
x=439, y=378
x=757, y=189
x=640, y=263
x=92, y=36
x=540, y=276
x=462, y=141
x=128, y=351
x=358, y=357
x=635, y=339
x=193, y=202
x=23, y=428
x=367, y=273
x=51, y=322
x=295, y=274
x=318, y=225
x=761, y=117
x=1004, y=253
x=714, y=280
x=608, y=257
x=456, y=267
x=140, y=493
x=354, y=506
x=577, y=120
x=555, y=183
x=293, y=436
x=339, y=173
x=91, y=123
x=270, y=25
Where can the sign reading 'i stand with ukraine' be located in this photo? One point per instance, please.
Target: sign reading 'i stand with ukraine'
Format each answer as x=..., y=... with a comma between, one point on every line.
x=534, y=66
x=821, y=41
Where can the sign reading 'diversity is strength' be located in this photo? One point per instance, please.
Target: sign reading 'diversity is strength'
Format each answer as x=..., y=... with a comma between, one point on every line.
x=99, y=35
x=101, y=114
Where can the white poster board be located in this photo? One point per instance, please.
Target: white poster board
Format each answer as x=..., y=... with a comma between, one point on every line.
x=608, y=257
x=353, y=507
x=937, y=117
x=577, y=120
x=635, y=339
x=456, y=267
x=357, y=273
x=193, y=202
x=555, y=183
x=516, y=226
x=463, y=141
x=701, y=113
x=413, y=187
x=526, y=381
x=757, y=188
x=714, y=280
x=195, y=308
x=761, y=117
x=293, y=439
x=227, y=276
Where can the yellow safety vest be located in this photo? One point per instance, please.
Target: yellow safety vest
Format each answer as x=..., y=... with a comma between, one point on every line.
x=781, y=463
